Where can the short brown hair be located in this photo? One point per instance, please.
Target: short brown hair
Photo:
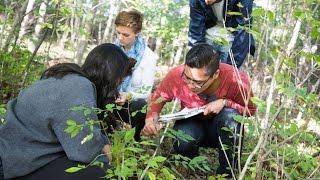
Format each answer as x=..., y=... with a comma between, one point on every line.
x=131, y=18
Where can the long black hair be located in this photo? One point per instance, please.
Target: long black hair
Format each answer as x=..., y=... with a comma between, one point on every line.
x=105, y=66
x=60, y=70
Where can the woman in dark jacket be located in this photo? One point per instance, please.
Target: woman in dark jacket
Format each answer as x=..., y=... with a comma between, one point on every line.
x=33, y=141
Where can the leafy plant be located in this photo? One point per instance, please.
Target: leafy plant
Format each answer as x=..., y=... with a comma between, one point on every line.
x=2, y=113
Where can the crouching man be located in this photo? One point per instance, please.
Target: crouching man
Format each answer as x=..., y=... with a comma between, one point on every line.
x=223, y=92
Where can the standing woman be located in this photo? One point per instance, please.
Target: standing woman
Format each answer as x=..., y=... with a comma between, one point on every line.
x=137, y=87
x=33, y=141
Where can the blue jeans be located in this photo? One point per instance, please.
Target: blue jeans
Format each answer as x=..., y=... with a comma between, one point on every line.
x=1, y=170
x=222, y=49
x=206, y=131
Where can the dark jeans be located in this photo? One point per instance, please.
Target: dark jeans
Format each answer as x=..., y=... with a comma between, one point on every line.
x=206, y=131
x=56, y=170
x=137, y=121
x=1, y=169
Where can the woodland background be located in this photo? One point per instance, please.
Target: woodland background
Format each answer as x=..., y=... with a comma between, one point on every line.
x=282, y=139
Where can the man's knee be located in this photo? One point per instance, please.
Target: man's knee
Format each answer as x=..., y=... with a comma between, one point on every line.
x=227, y=116
x=187, y=147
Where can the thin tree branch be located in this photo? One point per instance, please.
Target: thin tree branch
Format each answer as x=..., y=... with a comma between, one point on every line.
x=161, y=140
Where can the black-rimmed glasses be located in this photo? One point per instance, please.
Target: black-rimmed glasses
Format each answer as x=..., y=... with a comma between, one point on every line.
x=195, y=83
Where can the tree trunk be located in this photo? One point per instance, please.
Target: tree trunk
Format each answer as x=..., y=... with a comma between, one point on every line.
x=42, y=13
x=16, y=26
x=64, y=37
x=54, y=27
x=172, y=52
x=83, y=41
x=76, y=29
x=26, y=20
x=72, y=19
x=158, y=46
x=75, y=25
x=112, y=37
x=37, y=29
x=178, y=54
x=4, y=26
x=294, y=37
x=99, y=39
x=109, y=30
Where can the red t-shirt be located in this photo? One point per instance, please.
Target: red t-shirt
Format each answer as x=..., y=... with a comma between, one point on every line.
x=173, y=86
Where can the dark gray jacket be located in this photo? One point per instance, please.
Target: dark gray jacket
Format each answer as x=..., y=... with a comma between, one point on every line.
x=34, y=133
x=203, y=18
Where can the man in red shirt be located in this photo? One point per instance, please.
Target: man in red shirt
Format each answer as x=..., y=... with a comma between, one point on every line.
x=220, y=88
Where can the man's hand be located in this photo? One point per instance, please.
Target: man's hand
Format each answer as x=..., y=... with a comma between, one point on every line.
x=214, y=107
x=123, y=96
x=151, y=128
x=107, y=151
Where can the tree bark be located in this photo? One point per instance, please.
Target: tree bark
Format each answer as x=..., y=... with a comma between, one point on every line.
x=40, y=21
x=4, y=26
x=75, y=24
x=64, y=37
x=157, y=49
x=26, y=20
x=108, y=31
x=83, y=41
x=16, y=26
x=99, y=39
x=172, y=52
x=42, y=13
x=294, y=37
x=178, y=54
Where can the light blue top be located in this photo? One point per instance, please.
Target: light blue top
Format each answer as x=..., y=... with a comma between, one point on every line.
x=140, y=83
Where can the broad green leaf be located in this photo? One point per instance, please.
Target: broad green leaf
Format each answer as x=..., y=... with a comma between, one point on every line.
x=257, y=12
x=167, y=174
x=109, y=107
x=133, y=114
x=73, y=169
x=239, y=118
x=226, y=129
x=159, y=158
x=240, y=5
x=71, y=122
x=148, y=143
x=129, y=135
x=136, y=150
x=151, y=176
x=118, y=107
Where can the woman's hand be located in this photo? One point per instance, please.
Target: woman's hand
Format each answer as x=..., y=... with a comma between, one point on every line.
x=123, y=97
x=214, y=107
